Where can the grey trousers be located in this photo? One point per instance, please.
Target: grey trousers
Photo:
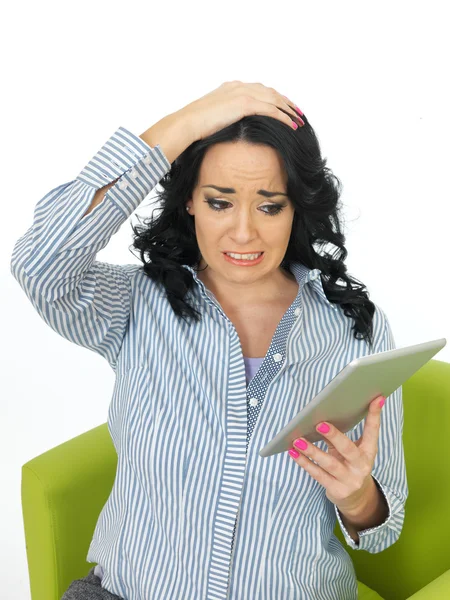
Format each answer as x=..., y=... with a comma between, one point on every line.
x=88, y=588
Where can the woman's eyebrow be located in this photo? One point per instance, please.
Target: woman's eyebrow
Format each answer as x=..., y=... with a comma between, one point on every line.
x=226, y=190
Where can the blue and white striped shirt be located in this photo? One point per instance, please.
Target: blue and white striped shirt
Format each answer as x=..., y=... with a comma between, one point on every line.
x=186, y=426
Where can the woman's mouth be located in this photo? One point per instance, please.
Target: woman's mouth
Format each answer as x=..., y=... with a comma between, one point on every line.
x=244, y=260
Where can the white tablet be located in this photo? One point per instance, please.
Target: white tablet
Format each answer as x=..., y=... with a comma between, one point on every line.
x=345, y=401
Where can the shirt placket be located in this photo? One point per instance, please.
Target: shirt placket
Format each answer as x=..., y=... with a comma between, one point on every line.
x=234, y=465
x=256, y=391
x=238, y=437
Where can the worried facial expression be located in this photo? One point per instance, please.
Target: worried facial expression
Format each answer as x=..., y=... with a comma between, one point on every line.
x=250, y=213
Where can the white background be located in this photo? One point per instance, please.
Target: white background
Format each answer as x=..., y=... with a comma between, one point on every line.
x=372, y=79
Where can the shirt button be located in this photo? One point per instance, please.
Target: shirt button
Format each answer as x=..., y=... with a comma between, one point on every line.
x=147, y=160
x=297, y=311
x=277, y=357
x=134, y=173
x=253, y=401
x=314, y=275
x=123, y=185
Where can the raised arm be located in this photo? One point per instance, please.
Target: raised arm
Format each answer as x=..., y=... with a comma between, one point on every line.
x=84, y=300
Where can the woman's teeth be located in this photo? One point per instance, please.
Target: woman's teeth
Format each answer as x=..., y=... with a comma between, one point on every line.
x=244, y=256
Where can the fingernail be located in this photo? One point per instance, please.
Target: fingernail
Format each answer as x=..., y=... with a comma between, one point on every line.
x=294, y=453
x=294, y=125
x=382, y=401
x=299, y=111
x=300, y=444
x=323, y=428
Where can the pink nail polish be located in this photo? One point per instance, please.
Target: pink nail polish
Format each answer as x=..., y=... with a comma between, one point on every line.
x=299, y=111
x=382, y=401
x=323, y=428
x=294, y=453
x=301, y=444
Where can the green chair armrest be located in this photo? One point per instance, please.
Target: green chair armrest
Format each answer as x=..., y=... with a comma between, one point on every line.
x=63, y=493
x=365, y=593
x=439, y=589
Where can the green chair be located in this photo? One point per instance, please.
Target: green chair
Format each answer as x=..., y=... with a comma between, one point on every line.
x=65, y=488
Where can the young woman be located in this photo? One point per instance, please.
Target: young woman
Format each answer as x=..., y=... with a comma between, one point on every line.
x=233, y=323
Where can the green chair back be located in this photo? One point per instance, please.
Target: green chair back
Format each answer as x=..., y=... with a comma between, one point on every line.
x=422, y=552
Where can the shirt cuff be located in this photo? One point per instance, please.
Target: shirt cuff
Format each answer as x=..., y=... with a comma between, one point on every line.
x=138, y=166
x=372, y=536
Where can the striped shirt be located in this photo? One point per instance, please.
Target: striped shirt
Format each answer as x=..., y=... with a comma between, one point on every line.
x=194, y=511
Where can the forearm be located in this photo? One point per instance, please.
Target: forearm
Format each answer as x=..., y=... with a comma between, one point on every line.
x=172, y=133
x=372, y=513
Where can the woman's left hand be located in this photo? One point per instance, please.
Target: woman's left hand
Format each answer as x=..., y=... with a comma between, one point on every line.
x=345, y=470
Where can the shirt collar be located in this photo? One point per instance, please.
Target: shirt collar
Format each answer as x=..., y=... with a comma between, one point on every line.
x=302, y=274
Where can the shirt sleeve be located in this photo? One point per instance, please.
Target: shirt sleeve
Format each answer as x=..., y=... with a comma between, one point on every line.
x=84, y=300
x=389, y=471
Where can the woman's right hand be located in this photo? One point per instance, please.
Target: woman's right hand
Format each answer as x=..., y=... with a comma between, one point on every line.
x=232, y=101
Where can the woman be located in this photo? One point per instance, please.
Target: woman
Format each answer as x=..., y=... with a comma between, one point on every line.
x=213, y=355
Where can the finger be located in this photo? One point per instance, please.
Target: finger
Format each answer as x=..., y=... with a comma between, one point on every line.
x=316, y=471
x=271, y=110
x=293, y=105
x=327, y=461
x=293, y=110
x=369, y=438
x=278, y=101
x=342, y=443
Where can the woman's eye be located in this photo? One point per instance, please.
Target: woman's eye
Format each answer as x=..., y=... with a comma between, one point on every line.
x=274, y=209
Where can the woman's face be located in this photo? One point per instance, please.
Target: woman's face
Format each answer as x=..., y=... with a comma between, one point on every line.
x=247, y=221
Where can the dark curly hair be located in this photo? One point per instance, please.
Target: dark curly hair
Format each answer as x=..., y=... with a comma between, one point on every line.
x=170, y=241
